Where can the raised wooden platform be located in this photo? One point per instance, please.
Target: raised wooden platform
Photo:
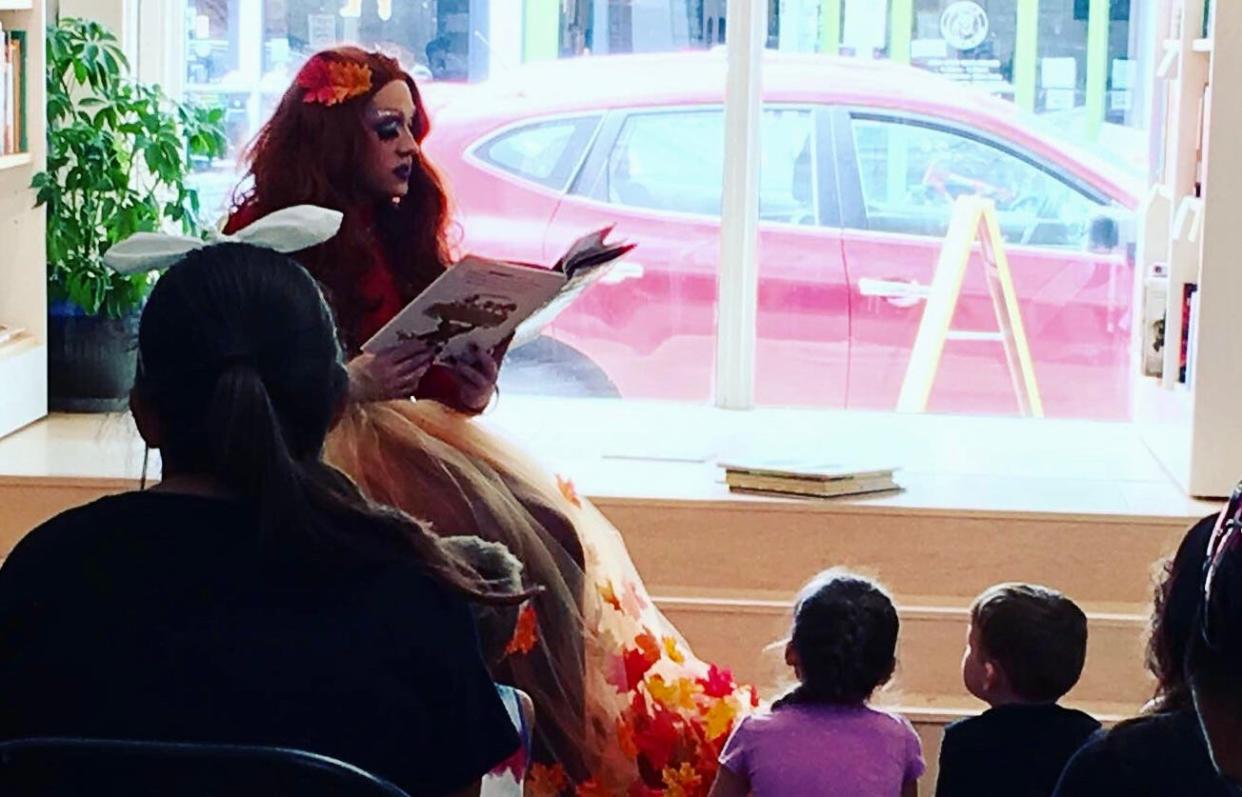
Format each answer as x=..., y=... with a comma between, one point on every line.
x=1081, y=507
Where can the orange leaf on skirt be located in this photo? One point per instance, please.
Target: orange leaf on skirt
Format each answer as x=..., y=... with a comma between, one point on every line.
x=525, y=632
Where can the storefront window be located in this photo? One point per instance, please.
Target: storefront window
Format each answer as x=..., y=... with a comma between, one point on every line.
x=969, y=43
x=921, y=116
x=1062, y=74
x=557, y=117
x=570, y=136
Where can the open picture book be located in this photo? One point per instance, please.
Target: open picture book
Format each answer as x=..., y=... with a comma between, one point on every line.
x=484, y=301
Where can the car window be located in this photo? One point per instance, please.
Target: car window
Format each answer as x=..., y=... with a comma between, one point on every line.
x=544, y=152
x=674, y=161
x=912, y=172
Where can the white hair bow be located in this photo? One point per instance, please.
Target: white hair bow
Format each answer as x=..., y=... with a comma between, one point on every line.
x=289, y=230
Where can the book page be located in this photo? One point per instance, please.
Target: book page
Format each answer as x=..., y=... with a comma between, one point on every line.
x=475, y=301
x=591, y=242
x=594, y=264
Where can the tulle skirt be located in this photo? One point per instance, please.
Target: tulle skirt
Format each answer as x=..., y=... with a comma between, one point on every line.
x=622, y=705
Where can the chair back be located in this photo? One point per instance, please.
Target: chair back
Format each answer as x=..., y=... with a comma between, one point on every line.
x=71, y=767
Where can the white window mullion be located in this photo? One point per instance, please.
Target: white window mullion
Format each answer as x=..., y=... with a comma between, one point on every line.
x=161, y=43
x=738, y=276
x=250, y=57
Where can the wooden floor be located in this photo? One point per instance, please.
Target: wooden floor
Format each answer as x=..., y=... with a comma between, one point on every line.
x=1079, y=506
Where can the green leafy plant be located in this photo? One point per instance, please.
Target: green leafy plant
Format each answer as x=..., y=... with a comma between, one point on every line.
x=119, y=153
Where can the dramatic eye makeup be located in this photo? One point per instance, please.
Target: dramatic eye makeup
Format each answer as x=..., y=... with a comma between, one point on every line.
x=387, y=124
x=387, y=129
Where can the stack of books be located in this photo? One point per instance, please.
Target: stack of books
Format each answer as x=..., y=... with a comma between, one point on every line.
x=12, y=91
x=802, y=478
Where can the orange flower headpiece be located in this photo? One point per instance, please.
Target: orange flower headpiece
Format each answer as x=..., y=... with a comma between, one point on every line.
x=330, y=82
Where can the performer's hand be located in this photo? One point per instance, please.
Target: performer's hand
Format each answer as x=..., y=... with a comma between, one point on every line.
x=393, y=373
x=475, y=372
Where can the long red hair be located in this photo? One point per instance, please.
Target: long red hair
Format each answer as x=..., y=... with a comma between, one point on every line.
x=308, y=153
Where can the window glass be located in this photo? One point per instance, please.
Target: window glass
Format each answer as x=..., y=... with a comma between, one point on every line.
x=546, y=152
x=646, y=332
x=668, y=161
x=839, y=298
x=911, y=173
x=674, y=160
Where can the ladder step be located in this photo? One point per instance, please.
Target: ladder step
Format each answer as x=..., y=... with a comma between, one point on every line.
x=974, y=334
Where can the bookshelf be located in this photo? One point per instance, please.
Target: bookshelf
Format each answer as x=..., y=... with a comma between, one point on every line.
x=23, y=266
x=1194, y=424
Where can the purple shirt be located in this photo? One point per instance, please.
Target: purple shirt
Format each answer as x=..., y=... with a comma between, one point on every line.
x=809, y=749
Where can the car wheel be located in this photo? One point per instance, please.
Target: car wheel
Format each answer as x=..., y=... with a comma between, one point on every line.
x=549, y=367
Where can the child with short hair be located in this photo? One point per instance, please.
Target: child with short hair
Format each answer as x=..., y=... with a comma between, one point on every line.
x=1025, y=650
x=500, y=569
x=822, y=737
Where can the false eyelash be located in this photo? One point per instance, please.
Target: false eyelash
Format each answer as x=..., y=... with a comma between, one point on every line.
x=387, y=131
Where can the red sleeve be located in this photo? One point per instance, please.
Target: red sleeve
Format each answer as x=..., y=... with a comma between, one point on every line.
x=439, y=384
x=241, y=217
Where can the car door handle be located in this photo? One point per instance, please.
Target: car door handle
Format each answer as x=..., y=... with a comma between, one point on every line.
x=620, y=272
x=898, y=293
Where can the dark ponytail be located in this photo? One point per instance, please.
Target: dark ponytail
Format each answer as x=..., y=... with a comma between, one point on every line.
x=239, y=359
x=845, y=636
x=247, y=448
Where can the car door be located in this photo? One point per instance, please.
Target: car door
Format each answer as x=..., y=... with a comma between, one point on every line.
x=657, y=174
x=900, y=177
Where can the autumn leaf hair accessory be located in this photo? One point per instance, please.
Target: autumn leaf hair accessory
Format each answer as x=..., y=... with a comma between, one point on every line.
x=329, y=82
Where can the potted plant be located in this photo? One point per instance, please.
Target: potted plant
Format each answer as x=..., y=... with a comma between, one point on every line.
x=119, y=153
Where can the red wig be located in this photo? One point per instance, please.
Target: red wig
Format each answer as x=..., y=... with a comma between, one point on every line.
x=309, y=152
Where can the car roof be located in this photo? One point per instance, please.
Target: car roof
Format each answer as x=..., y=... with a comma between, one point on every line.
x=647, y=80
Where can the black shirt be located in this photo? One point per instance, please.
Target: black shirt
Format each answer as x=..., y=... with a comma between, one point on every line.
x=1158, y=755
x=158, y=616
x=1014, y=750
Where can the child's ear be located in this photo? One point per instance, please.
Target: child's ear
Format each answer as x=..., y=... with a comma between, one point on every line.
x=991, y=676
x=150, y=425
x=791, y=656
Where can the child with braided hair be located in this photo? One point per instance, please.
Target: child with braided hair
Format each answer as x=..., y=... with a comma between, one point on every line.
x=822, y=737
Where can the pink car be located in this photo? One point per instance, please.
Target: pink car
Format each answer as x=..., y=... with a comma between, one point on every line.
x=861, y=163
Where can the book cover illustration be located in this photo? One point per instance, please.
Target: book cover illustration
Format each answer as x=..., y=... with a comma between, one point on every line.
x=485, y=302
x=461, y=317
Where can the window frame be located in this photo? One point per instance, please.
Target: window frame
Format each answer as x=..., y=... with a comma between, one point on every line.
x=853, y=202
x=475, y=157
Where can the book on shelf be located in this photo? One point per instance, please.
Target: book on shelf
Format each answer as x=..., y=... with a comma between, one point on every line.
x=808, y=479
x=1190, y=323
x=484, y=302
x=12, y=91
x=1155, y=303
x=1190, y=333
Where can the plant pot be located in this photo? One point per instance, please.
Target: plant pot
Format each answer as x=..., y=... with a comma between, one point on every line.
x=91, y=360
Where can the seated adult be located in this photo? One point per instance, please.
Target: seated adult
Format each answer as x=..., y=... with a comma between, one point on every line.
x=1162, y=751
x=254, y=596
x=1214, y=662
